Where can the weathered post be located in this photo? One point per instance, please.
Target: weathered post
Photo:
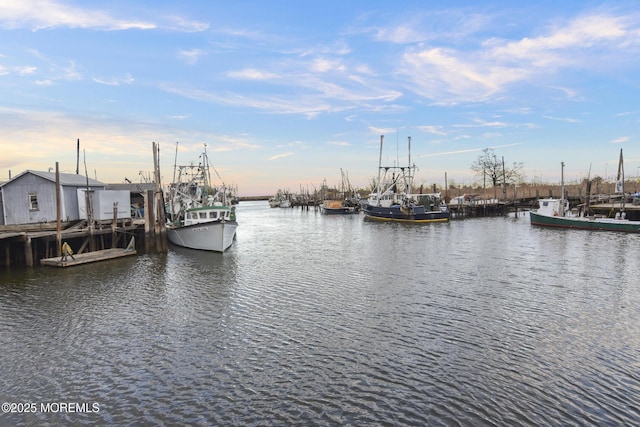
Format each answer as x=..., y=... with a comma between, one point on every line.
x=114, y=225
x=28, y=252
x=148, y=219
x=58, y=214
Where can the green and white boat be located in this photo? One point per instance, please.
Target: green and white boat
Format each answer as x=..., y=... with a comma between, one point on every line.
x=556, y=213
x=552, y=213
x=198, y=214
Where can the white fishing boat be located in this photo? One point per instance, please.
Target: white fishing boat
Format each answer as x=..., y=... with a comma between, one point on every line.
x=285, y=203
x=556, y=212
x=199, y=216
x=281, y=200
x=274, y=202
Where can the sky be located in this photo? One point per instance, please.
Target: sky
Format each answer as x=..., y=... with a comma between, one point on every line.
x=290, y=94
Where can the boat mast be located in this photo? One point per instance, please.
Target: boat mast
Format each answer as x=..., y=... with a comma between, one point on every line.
x=620, y=180
x=205, y=166
x=410, y=191
x=173, y=188
x=588, y=197
x=562, y=189
x=379, y=170
x=175, y=163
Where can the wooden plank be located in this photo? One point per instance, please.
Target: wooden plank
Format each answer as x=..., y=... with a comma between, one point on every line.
x=88, y=257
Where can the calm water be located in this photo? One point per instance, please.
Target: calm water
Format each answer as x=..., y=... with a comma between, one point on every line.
x=323, y=320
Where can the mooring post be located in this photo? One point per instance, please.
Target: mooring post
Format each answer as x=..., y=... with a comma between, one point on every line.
x=114, y=225
x=149, y=220
x=28, y=252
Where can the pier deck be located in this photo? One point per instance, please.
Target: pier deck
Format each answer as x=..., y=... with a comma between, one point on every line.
x=88, y=257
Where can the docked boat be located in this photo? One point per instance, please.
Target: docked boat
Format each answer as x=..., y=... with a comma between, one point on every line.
x=274, y=202
x=393, y=199
x=199, y=216
x=556, y=212
x=280, y=200
x=339, y=207
x=340, y=202
x=285, y=203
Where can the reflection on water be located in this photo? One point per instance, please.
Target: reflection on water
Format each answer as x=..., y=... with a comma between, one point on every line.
x=330, y=320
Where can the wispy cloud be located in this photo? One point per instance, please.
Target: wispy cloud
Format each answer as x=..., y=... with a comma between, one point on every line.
x=626, y=113
x=428, y=26
x=581, y=35
x=41, y=14
x=178, y=23
x=22, y=70
x=620, y=140
x=323, y=65
x=280, y=156
x=47, y=72
x=191, y=56
x=469, y=150
x=226, y=143
x=25, y=70
x=252, y=74
x=562, y=119
x=44, y=14
x=479, y=123
x=449, y=75
x=121, y=147
x=436, y=130
x=381, y=131
x=127, y=79
x=304, y=94
x=273, y=104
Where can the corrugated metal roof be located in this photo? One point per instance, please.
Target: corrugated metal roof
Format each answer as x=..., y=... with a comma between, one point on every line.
x=68, y=179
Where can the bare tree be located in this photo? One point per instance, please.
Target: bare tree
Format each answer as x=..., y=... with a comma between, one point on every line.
x=490, y=167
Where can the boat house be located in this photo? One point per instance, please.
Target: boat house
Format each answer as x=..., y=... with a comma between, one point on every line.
x=30, y=197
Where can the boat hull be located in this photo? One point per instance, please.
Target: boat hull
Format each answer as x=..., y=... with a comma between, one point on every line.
x=347, y=210
x=405, y=214
x=602, y=224
x=208, y=236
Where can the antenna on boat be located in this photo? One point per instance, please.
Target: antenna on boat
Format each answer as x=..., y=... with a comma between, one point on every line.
x=379, y=170
x=173, y=189
x=620, y=180
x=175, y=163
x=205, y=165
x=410, y=190
x=561, y=189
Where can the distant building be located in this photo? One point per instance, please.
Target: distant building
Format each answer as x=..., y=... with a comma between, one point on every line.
x=30, y=197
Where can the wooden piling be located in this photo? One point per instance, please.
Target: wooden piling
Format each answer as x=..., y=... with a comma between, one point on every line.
x=28, y=253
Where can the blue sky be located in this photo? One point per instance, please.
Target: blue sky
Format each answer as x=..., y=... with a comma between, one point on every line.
x=287, y=93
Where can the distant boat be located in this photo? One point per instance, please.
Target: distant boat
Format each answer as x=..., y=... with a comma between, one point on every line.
x=274, y=202
x=393, y=199
x=339, y=207
x=345, y=202
x=280, y=200
x=286, y=203
x=556, y=212
x=199, y=215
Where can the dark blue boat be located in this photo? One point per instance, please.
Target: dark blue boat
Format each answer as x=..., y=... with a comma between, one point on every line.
x=394, y=201
x=409, y=212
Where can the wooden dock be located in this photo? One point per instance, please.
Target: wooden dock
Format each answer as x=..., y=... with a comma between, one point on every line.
x=88, y=257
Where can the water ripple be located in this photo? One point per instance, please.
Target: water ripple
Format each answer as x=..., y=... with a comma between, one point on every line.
x=318, y=320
